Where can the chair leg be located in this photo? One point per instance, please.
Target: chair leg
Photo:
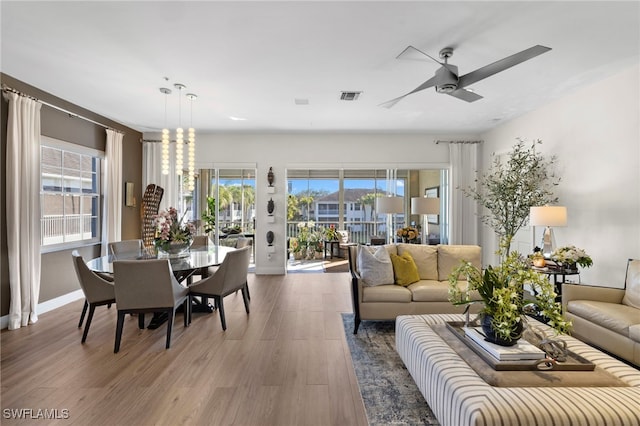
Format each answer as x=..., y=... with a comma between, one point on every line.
x=84, y=311
x=218, y=300
x=141, y=321
x=245, y=297
x=246, y=284
x=119, y=326
x=171, y=315
x=92, y=309
x=187, y=312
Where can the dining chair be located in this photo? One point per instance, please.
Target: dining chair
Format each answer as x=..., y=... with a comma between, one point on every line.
x=97, y=291
x=147, y=286
x=228, y=278
x=126, y=246
x=242, y=242
x=200, y=241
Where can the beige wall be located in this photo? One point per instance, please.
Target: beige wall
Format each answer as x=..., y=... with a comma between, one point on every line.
x=58, y=276
x=595, y=133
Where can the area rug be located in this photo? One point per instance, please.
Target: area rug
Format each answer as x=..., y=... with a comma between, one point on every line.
x=389, y=393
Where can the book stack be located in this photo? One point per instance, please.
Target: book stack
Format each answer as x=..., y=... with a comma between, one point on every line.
x=522, y=350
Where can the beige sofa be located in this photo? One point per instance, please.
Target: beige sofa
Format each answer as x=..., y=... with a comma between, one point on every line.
x=608, y=318
x=429, y=295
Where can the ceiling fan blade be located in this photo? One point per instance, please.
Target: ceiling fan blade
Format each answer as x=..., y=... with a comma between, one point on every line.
x=429, y=83
x=501, y=65
x=465, y=95
x=413, y=54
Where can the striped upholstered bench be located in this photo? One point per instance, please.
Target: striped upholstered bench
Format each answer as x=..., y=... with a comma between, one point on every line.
x=458, y=396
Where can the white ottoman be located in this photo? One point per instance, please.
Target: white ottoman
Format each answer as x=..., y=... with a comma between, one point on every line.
x=458, y=396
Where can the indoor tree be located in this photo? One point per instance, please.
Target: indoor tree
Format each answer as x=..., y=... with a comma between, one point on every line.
x=506, y=192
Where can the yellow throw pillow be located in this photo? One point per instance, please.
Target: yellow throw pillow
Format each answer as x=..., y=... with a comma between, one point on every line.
x=405, y=270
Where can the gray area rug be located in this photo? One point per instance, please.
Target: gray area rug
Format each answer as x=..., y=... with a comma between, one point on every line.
x=390, y=395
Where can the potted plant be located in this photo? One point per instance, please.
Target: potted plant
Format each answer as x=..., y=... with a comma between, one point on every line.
x=509, y=189
x=568, y=257
x=172, y=235
x=408, y=234
x=501, y=290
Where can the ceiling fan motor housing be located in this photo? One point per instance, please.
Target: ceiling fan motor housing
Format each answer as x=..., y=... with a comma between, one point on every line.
x=447, y=78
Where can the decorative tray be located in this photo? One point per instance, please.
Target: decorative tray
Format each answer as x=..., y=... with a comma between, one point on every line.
x=574, y=362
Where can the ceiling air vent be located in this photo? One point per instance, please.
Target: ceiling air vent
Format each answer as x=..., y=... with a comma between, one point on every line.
x=349, y=96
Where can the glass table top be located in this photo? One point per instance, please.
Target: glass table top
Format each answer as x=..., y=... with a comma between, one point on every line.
x=192, y=259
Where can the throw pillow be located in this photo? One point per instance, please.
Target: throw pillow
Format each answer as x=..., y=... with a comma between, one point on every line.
x=404, y=269
x=375, y=266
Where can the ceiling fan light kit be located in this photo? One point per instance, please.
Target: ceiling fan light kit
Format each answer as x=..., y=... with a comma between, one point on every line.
x=447, y=81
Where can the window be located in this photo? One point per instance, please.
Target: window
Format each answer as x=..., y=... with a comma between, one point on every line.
x=70, y=194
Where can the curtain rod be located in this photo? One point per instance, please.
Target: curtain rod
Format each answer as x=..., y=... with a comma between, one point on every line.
x=470, y=142
x=6, y=88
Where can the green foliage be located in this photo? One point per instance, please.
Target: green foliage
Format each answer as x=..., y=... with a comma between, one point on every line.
x=509, y=189
x=501, y=291
x=209, y=215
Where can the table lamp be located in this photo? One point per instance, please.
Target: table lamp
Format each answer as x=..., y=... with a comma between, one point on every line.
x=548, y=216
x=389, y=206
x=424, y=206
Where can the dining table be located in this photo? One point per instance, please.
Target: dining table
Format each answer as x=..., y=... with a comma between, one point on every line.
x=194, y=261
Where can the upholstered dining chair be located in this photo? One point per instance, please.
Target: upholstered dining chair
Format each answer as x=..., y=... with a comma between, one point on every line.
x=147, y=286
x=126, y=246
x=97, y=291
x=200, y=241
x=228, y=278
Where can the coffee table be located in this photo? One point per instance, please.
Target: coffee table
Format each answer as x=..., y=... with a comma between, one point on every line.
x=458, y=396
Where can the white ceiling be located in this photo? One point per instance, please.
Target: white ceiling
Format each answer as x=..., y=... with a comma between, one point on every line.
x=252, y=60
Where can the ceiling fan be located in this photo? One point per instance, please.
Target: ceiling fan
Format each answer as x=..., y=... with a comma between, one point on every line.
x=446, y=79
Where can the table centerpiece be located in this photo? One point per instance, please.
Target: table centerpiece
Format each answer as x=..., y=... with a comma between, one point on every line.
x=173, y=236
x=501, y=290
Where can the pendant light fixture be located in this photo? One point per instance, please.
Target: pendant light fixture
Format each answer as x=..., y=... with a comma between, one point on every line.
x=192, y=146
x=165, y=134
x=179, y=132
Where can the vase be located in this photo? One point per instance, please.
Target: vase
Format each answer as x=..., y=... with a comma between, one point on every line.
x=569, y=267
x=174, y=248
x=491, y=336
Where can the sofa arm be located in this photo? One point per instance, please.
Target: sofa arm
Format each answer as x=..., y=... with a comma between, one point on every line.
x=586, y=292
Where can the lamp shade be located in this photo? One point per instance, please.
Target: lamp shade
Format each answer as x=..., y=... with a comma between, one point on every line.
x=421, y=205
x=389, y=205
x=548, y=216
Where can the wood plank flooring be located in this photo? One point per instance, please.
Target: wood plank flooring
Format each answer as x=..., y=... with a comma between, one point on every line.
x=286, y=363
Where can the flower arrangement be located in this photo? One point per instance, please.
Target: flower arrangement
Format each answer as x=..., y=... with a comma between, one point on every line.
x=408, y=233
x=501, y=290
x=571, y=255
x=171, y=230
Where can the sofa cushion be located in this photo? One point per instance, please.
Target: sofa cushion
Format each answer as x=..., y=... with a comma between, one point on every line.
x=436, y=291
x=375, y=265
x=634, y=333
x=425, y=257
x=430, y=291
x=386, y=293
x=632, y=285
x=405, y=270
x=449, y=257
x=613, y=316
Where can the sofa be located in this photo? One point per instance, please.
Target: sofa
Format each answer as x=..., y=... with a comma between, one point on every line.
x=608, y=318
x=386, y=293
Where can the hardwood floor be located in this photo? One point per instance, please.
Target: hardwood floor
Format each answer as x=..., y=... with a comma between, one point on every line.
x=286, y=363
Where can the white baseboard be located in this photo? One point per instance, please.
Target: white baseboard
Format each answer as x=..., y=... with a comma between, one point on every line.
x=270, y=270
x=49, y=305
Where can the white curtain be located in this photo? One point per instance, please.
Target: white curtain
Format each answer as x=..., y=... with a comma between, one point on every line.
x=23, y=208
x=464, y=210
x=152, y=173
x=112, y=190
